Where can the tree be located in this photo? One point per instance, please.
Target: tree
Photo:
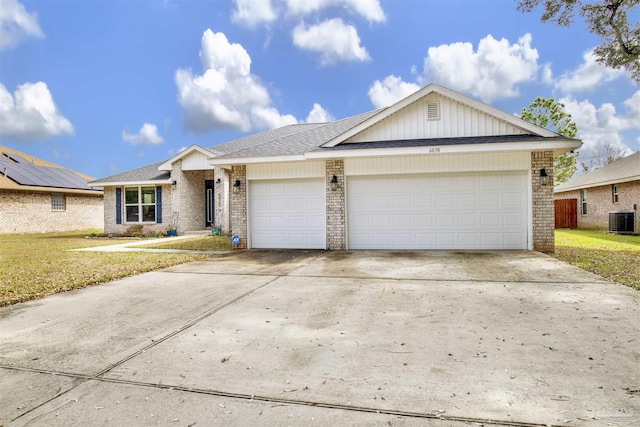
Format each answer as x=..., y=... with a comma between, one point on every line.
x=608, y=19
x=549, y=114
x=601, y=156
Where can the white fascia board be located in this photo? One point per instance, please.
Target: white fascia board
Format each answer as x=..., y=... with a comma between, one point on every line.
x=247, y=160
x=599, y=184
x=130, y=183
x=168, y=165
x=443, y=91
x=446, y=149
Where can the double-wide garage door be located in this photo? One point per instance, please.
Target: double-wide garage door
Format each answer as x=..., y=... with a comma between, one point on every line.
x=449, y=211
x=425, y=211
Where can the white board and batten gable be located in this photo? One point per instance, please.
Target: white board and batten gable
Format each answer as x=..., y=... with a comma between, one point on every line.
x=437, y=112
x=435, y=116
x=193, y=158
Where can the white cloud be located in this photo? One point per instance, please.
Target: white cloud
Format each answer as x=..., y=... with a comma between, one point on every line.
x=335, y=40
x=389, y=91
x=369, y=9
x=601, y=126
x=319, y=115
x=148, y=134
x=16, y=23
x=30, y=113
x=588, y=75
x=493, y=71
x=251, y=13
x=226, y=95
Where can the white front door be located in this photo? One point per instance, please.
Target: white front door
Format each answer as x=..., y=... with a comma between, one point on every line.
x=288, y=213
x=438, y=211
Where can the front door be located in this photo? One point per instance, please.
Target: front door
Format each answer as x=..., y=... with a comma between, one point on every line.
x=209, y=202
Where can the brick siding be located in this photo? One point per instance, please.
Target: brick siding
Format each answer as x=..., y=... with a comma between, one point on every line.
x=542, y=203
x=239, y=203
x=600, y=203
x=189, y=197
x=336, y=231
x=30, y=212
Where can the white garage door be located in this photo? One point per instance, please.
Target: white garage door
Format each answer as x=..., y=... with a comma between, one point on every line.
x=287, y=214
x=452, y=211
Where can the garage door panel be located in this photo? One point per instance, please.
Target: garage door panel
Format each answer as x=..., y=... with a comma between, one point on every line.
x=445, y=220
x=468, y=240
x=287, y=214
x=471, y=211
x=467, y=220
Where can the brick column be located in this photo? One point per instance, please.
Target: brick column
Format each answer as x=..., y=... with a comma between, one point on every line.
x=238, y=218
x=336, y=233
x=542, y=202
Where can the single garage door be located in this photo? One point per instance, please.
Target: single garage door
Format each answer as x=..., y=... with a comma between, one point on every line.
x=448, y=211
x=287, y=214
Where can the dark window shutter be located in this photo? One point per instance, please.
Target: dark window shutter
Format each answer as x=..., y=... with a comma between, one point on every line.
x=118, y=205
x=159, y=204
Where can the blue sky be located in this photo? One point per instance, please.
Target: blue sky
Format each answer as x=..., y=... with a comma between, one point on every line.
x=102, y=87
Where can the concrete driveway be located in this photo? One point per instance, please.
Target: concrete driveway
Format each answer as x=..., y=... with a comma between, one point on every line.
x=330, y=338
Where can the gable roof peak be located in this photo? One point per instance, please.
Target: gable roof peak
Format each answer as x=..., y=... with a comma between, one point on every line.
x=448, y=93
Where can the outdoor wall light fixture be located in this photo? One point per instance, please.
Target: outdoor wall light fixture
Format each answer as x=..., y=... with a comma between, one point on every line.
x=218, y=181
x=236, y=186
x=334, y=183
x=174, y=185
x=544, y=178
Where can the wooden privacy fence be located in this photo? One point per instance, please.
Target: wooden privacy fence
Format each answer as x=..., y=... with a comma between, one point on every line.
x=566, y=213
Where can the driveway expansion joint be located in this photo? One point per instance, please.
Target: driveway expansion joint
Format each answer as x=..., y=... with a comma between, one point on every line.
x=267, y=399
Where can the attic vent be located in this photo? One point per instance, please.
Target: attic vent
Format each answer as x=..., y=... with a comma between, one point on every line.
x=433, y=112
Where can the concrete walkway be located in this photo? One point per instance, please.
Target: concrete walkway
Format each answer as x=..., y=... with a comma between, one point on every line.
x=134, y=246
x=272, y=338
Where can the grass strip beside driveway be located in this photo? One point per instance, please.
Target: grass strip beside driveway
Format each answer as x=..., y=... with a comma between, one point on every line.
x=36, y=265
x=205, y=243
x=612, y=256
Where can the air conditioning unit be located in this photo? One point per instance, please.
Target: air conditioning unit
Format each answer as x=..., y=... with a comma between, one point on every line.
x=621, y=222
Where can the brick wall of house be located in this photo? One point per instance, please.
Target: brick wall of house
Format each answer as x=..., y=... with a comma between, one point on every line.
x=336, y=232
x=542, y=202
x=600, y=203
x=30, y=212
x=221, y=192
x=110, y=226
x=239, y=203
x=189, y=197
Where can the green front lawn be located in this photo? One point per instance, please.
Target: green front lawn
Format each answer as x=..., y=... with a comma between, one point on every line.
x=205, y=243
x=36, y=265
x=613, y=256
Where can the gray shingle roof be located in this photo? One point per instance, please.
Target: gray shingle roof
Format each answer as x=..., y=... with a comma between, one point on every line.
x=625, y=169
x=261, y=138
x=297, y=140
x=145, y=173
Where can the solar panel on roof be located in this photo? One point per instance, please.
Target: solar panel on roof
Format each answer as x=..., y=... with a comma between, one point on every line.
x=24, y=172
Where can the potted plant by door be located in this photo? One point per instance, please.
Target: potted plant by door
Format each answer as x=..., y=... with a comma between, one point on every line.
x=171, y=231
x=216, y=230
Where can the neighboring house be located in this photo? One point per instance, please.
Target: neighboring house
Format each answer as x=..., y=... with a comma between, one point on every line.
x=436, y=170
x=39, y=196
x=613, y=187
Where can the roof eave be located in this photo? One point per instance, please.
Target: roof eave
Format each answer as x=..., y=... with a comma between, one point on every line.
x=124, y=183
x=91, y=191
x=598, y=184
x=251, y=160
x=562, y=146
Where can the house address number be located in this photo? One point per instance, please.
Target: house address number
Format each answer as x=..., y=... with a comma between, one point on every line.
x=434, y=150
